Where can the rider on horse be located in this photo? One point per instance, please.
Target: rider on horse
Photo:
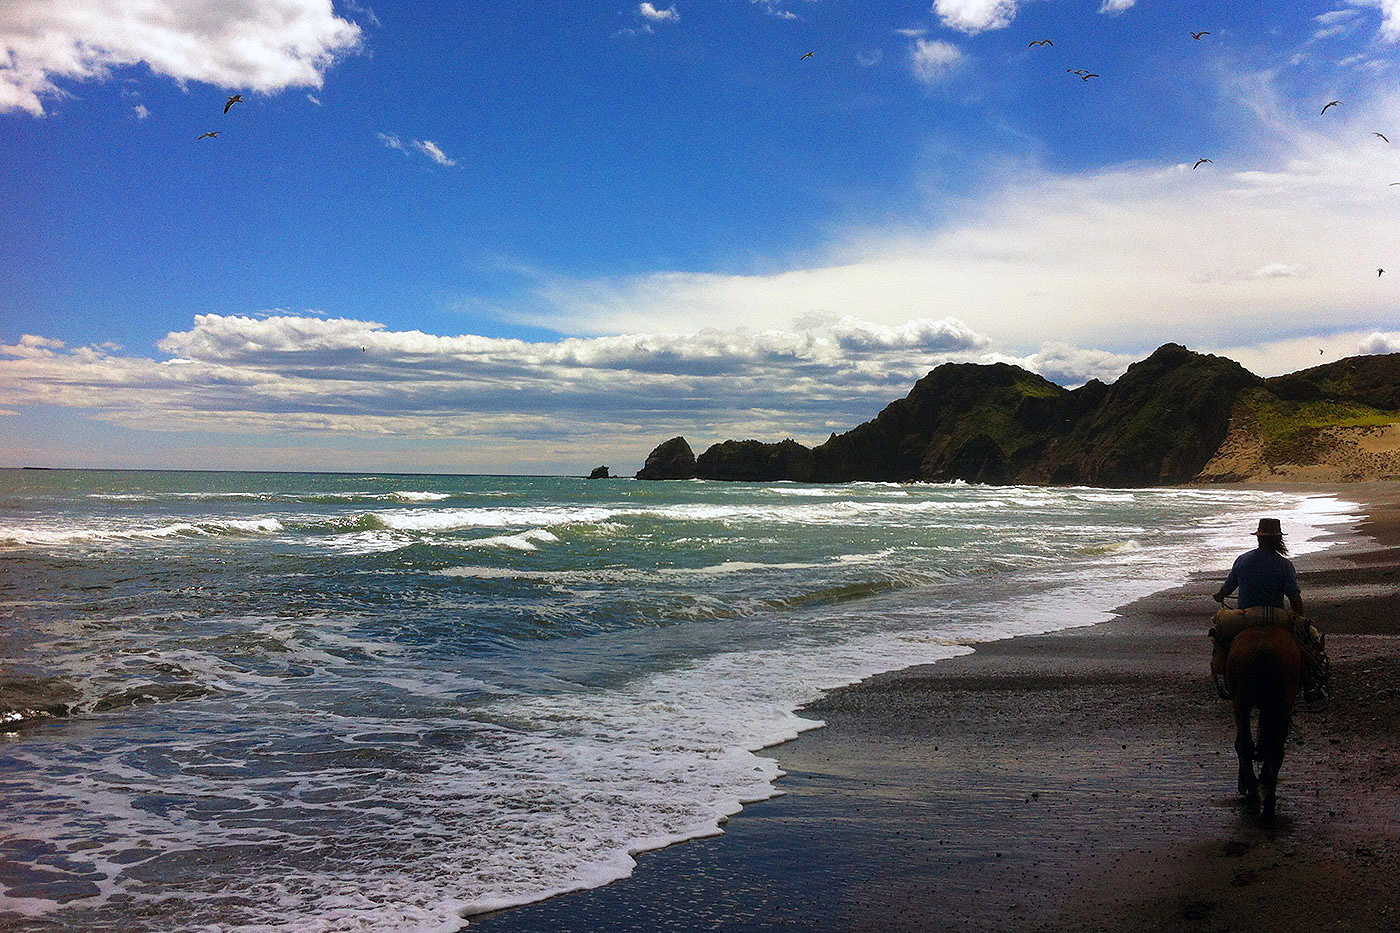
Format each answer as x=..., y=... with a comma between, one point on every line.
x=1264, y=576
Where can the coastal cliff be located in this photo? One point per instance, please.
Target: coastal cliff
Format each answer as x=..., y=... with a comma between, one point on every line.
x=1175, y=417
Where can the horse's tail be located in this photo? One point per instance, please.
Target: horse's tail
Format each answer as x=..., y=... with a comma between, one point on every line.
x=1266, y=677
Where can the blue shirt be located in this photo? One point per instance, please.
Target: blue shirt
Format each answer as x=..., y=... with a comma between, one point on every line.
x=1264, y=578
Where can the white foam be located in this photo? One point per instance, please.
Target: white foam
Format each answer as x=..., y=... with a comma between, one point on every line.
x=525, y=541
x=59, y=536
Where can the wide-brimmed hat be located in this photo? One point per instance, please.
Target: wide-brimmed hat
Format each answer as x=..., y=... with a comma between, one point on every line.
x=1269, y=528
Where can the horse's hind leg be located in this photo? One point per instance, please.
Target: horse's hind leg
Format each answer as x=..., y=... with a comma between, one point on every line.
x=1273, y=738
x=1244, y=748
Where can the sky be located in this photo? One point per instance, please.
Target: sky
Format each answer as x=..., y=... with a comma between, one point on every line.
x=540, y=237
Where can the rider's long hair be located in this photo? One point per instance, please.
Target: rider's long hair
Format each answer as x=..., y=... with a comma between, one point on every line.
x=1273, y=543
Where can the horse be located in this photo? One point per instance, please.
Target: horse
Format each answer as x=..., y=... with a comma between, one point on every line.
x=1263, y=670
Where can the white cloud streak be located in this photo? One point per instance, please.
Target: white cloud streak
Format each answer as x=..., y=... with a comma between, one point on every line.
x=774, y=8
x=423, y=146
x=1127, y=257
x=1114, y=7
x=266, y=46
x=433, y=151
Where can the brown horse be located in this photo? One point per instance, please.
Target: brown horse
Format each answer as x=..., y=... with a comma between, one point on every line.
x=1263, y=671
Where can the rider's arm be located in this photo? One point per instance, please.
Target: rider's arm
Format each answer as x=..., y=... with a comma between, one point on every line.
x=1228, y=586
x=1290, y=589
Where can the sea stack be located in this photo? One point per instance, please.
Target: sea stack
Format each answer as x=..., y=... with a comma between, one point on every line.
x=600, y=473
x=671, y=460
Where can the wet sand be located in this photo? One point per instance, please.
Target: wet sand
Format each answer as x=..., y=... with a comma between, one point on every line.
x=1080, y=781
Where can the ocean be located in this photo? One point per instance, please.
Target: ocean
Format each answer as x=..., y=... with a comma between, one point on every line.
x=383, y=702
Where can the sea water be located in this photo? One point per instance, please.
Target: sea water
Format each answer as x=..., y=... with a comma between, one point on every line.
x=386, y=702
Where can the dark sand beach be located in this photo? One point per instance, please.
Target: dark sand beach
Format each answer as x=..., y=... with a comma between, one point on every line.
x=1082, y=780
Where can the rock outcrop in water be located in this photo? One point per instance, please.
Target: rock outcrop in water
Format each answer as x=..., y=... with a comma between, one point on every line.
x=1174, y=417
x=600, y=472
x=672, y=460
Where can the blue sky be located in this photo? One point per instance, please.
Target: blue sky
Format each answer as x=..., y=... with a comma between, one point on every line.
x=562, y=232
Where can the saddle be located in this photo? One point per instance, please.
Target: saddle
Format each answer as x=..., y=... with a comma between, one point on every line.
x=1227, y=623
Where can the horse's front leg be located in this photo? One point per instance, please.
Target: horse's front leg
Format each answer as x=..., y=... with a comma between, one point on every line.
x=1244, y=748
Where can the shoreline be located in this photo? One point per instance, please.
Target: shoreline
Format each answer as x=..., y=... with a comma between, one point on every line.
x=1077, y=779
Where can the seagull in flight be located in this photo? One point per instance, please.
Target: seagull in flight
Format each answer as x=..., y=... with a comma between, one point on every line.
x=1381, y=135
x=1197, y=35
x=1077, y=71
x=807, y=56
x=1331, y=103
x=1199, y=162
x=1087, y=77
x=1041, y=42
x=209, y=135
x=235, y=99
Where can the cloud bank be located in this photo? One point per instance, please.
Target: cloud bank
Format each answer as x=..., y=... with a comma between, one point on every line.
x=296, y=375
x=266, y=46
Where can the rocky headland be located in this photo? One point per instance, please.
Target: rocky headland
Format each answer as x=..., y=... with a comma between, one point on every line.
x=1175, y=417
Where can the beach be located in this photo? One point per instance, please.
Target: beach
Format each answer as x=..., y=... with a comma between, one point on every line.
x=1078, y=780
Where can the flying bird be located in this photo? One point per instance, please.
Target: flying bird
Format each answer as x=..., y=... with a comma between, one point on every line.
x=1077, y=71
x=1379, y=273
x=1086, y=77
x=807, y=56
x=1041, y=42
x=235, y=99
x=1199, y=162
x=1394, y=183
x=1381, y=135
x=1197, y=35
x=1331, y=103
x=1319, y=351
x=209, y=135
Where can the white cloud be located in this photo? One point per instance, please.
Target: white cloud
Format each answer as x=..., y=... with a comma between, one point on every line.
x=141, y=111
x=932, y=59
x=1336, y=16
x=425, y=146
x=668, y=15
x=432, y=151
x=869, y=58
x=265, y=46
x=1379, y=342
x=974, y=16
x=1114, y=7
x=314, y=99
x=1390, y=16
x=912, y=32
x=1276, y=270
x=1304, y=351
x=775, y=8
x=1073, y=366
x=32, y=346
